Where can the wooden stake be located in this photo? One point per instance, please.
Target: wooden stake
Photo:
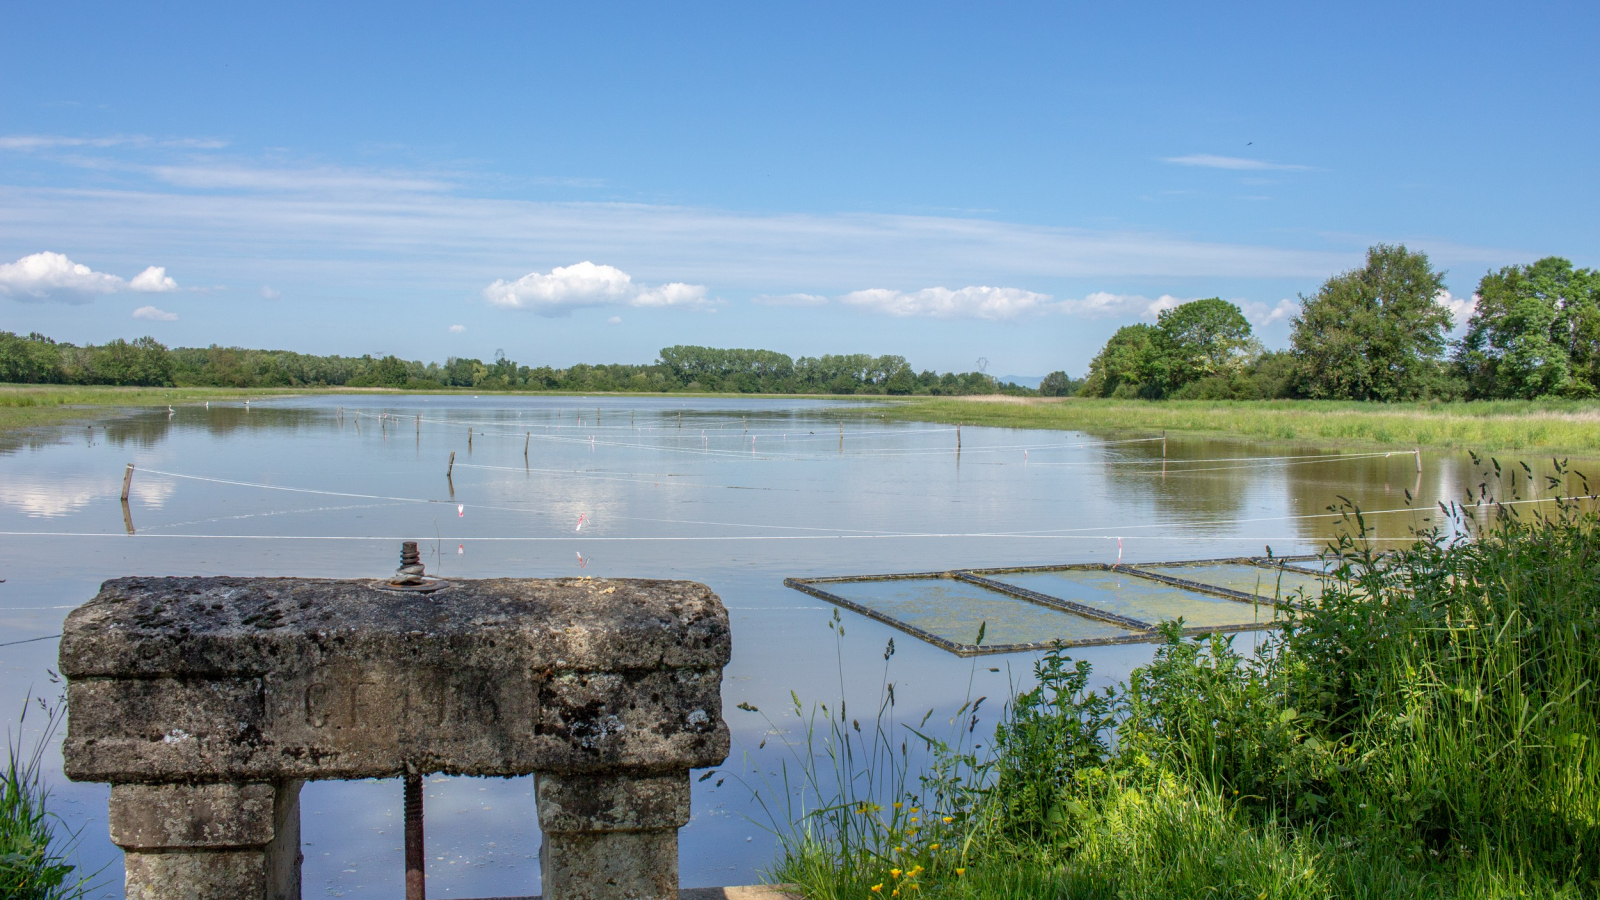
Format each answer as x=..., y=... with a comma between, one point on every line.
x=127, y=482
x=469, y=440
x=450, y=469
x=1417, y=452
x=958, y=437
x=525, y=439
x=1163, y=445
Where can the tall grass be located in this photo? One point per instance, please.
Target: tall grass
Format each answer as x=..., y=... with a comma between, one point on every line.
x=1428, y=727
x=33, y=849
x=1554, y=426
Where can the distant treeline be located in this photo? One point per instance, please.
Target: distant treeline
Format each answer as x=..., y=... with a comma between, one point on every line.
x=37, y=359
x=1374, y=333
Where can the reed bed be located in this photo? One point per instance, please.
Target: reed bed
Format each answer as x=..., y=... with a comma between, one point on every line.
x=1428, y=727
x=1554, y=426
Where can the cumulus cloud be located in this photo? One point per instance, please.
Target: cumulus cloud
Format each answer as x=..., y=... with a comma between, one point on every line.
x=1234, y=163
x=790, y=300
x=153, y=280
x=52, y=276
x=974, y=302
x=585, y=284
x=1261, y=315
x=1460, y=308
x=268, y=293
x=154, y=315
x=457, y=329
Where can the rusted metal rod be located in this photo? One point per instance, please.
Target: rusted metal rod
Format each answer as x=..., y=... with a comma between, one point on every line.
x=416, y=888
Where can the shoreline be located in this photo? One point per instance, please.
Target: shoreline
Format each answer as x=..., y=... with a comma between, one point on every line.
x=1555, y=426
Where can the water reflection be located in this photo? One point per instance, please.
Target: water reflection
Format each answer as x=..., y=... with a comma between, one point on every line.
x=737, y=494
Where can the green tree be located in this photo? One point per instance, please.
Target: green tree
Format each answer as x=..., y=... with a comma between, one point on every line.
x=34, y=359
x=1373, y=333
x=1123, y=364
x=1535, y=332
x=1058, y=384
x=141, y=362
x=1200, y=339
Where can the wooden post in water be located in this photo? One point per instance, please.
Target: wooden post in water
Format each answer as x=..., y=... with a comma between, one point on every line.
x=680, y=420
x=841, y=437
x=127, y=482
x=1163, y=445
x=450, y=469
x=958, y=438
x=1417, y=452
x=528, y=436
x=469, y=440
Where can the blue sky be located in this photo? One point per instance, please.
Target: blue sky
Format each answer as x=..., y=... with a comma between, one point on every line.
x=947, y=182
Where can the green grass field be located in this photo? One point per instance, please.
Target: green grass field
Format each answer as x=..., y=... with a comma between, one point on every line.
x=32, y=405
x=1562, y=427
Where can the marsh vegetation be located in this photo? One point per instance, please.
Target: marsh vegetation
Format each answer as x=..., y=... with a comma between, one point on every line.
x=1425, y=728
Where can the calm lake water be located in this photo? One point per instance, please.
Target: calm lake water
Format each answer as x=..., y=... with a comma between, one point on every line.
x=735, y=494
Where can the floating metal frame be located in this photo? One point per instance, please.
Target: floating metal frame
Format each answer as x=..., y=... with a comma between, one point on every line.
x=1139, y=631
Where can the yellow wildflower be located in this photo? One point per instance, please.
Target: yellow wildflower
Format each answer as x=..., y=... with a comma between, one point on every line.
x=949, y=819
x=895, y=873
x=877, y=888
x=960, y=871
x=897, y=804
x=933, y=846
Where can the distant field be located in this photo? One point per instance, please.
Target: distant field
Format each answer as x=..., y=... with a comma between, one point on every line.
x=1564, y=427
x=28, y=405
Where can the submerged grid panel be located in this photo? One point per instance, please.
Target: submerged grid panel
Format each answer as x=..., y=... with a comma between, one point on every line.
x=1267, y=582
x=1127, y=594
x=954, y=611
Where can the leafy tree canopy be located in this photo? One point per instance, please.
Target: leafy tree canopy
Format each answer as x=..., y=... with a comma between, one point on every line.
x=1535, y=332
x=1373, y=333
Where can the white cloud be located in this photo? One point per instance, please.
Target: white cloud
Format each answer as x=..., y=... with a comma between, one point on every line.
x=790, y=300
x=457, y=329
x=153, y=280
x=154, y=315
x=975, y=302
x=268, y=293
x=1106, y=305
x=52, y=276
x=614, y=320
x=1460, y=308
x=585, y=284
x=1235, y=163
x=1262, y=315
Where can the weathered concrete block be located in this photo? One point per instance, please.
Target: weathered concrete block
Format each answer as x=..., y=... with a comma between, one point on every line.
x=260, y=679
x=611, y=865
x=167, y=816
x=612, y=803
x=206, y=701
x=198, y=842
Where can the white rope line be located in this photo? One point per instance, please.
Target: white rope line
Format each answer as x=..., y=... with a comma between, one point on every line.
x=662, y=538
x=1328, y=515
x=1028, y=533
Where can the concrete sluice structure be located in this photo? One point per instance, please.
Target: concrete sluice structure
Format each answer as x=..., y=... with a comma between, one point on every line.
x=207, y=702
x=1008, y=610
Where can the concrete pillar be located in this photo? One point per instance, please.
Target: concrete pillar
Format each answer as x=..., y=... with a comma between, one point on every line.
x=611, y=836
x=209, y=841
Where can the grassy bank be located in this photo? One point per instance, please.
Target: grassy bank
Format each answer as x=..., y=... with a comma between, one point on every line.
x=31, y=405
x=1427, y=728
x=1563, y=427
